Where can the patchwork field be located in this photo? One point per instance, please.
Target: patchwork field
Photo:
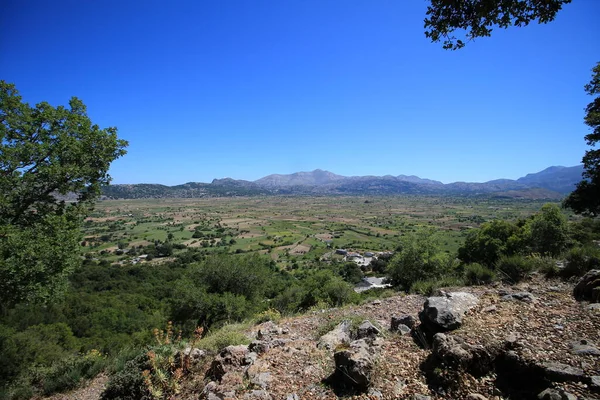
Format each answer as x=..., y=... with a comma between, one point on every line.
x=290, y=229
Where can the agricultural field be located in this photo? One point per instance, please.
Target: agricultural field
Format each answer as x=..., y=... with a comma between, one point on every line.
x=292, y=230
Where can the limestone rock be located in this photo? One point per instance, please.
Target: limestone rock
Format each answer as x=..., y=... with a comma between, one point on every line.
x=583, y=347
x=354, y=365
x=231, y=357
x=587, y=287
x=366, y=330
x=558, y=372
x=520, y=296
x=445, y=313
x=336, y=337
x=406, y=320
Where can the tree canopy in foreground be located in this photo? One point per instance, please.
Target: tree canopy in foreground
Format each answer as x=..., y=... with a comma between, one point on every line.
x=586, y=197
x=478, y=17
x=47, y=154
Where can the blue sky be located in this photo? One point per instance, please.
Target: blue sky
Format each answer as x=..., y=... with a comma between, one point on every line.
x=243, y=89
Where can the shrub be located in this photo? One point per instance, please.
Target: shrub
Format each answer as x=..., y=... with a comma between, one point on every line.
x=429, y=286
x=228, y=335
x=477, y=274
x=268, y=315
x=513, y=269
x=128, y=384
x=580, y=260
x=545, y=265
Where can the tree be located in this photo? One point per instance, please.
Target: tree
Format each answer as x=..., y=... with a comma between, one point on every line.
x=420, y=258
x=486, y=244
x=478, y=17
x=47, y=156
x=586, y=197
x=547, y=231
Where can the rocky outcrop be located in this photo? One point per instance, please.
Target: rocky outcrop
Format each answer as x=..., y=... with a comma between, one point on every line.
x=402, y=324
x=354, y=365
x=338, y=336
x=588, y=287
x=452, y=351
x=229, y=359
x=445, y=313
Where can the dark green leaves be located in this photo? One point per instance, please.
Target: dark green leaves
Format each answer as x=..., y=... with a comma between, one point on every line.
x=478, y=17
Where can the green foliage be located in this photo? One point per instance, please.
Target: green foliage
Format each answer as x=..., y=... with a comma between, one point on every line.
x=513, y=269
x=477, y=274
x=547, y=231
x=585, y=199
x=427, y=287
x=268, y=315
x=486, y=244
x=129, y=384
x=420, y=258
x=580, y=260
x=477, y=18
x=351, y=272
x=227, y=335
x=46, y=152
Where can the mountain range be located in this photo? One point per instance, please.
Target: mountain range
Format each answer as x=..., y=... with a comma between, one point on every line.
x=551, y=183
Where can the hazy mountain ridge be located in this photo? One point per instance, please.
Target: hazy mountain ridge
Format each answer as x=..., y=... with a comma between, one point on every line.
x=553, y=182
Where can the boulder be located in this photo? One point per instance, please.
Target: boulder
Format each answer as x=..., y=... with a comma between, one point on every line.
x=354, y=365
x=366, y=330
x=258, y=395
x=554, y=394
x=336, y=337
x=520, y=296
x=588, y=287
x=454, y=352
x=406, y=320
x=230, y=358
x=445, y=313
x=583, y=348
x=558, y=372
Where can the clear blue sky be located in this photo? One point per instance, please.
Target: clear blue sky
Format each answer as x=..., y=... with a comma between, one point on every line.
x=242, y=89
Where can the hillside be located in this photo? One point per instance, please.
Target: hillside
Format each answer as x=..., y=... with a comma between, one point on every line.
x=551, y=183
x=535, y=334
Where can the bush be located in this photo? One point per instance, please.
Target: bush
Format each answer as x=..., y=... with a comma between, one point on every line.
x=228, y=335
x=476, y=274
x=513, y=269
x=580, y=260
x=429, y=286
x=545, y=265
x=128, y=384
x=268, y=315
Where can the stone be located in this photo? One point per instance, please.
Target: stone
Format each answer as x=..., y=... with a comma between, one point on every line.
x=420, y=397
x=192, y=357
x=261, y=380
x=258, y=395
x=259, y=346
x=554, y=394
x=403, y=329
x=376, y=302
x=267, y=330
x=558, y=372
x=594, y=307
x=445, y=313
x=336, y=337
x=354, y=365
x=586, y=287
x=455, y=353
x=595, y=382
x=292, y=396
x=520, y=296
x=476, y=396
x=490, y=309
x=366, y=330
x=231, y=357
x=583, y=347
x=406, y=320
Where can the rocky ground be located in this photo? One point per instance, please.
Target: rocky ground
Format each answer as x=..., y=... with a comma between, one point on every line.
x=509, y=342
